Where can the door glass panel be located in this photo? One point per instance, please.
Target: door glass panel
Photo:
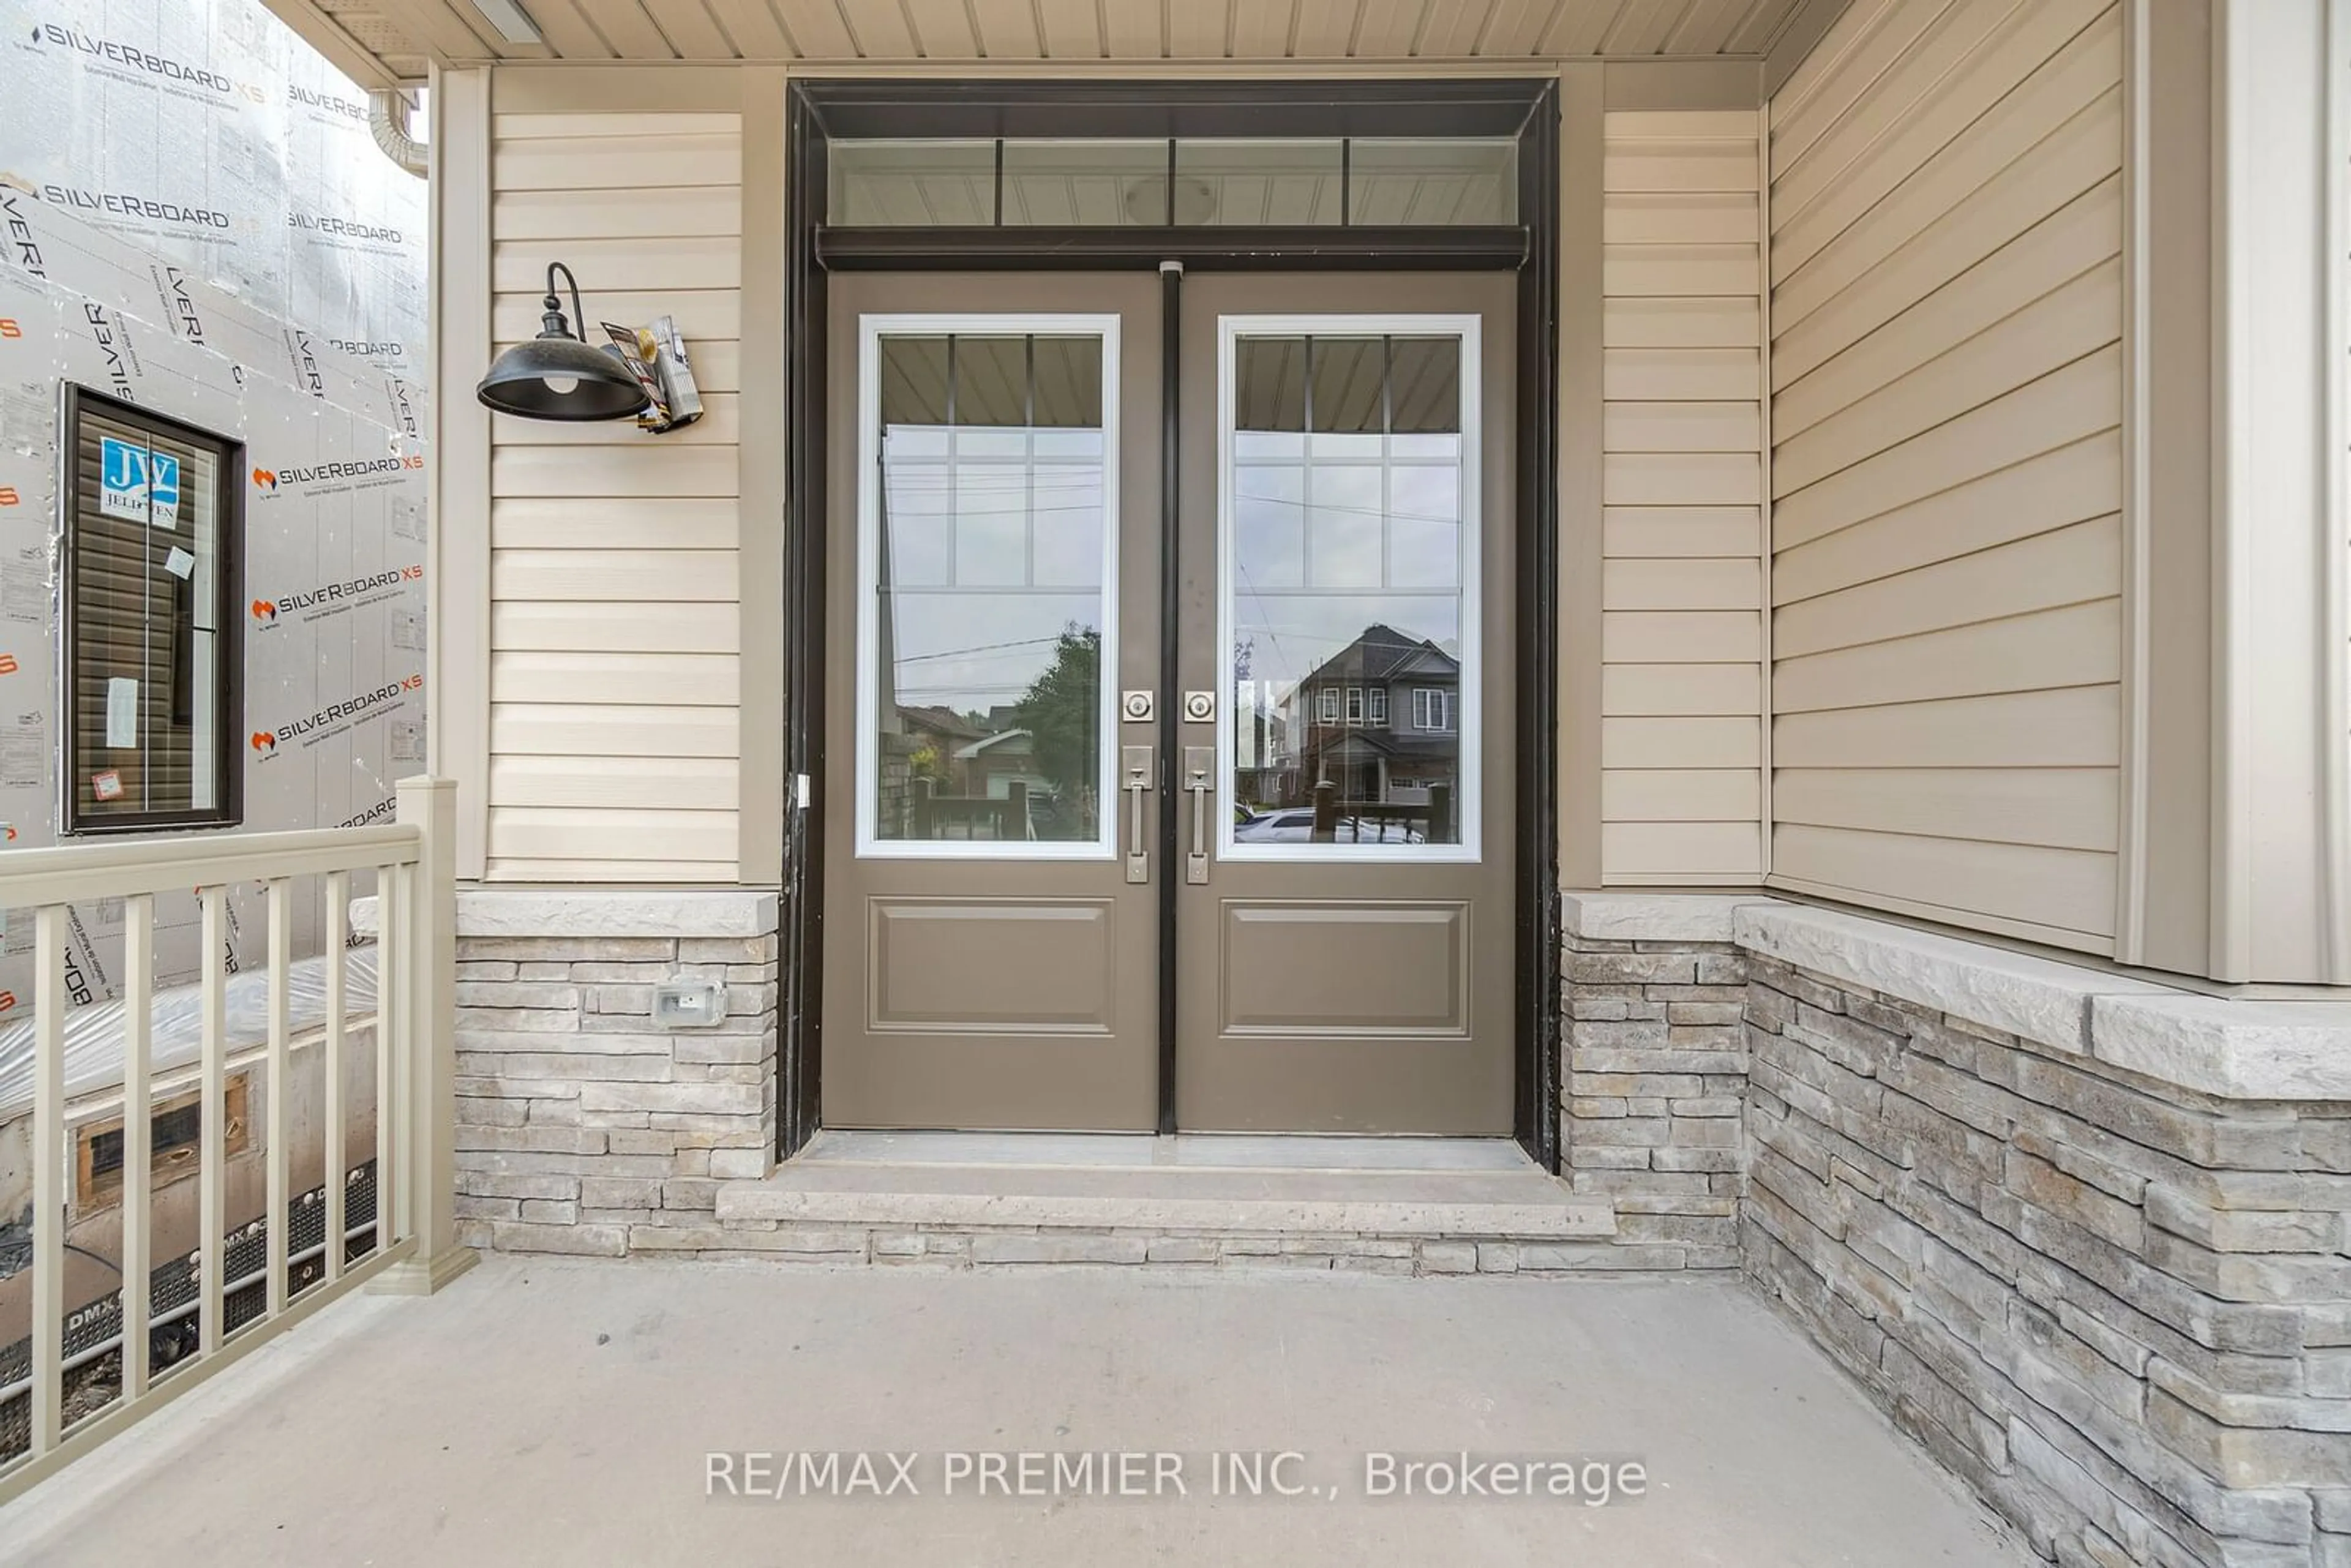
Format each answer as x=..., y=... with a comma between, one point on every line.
x=989, y=578
x=1349, y=598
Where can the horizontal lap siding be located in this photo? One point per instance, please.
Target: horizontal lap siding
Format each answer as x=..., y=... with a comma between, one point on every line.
x=1682, y=629
x=615, y=689
x=1946, y=310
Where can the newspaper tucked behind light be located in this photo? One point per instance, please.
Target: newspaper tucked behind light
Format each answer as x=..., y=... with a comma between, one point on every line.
x=685, y=399
x=655, y=355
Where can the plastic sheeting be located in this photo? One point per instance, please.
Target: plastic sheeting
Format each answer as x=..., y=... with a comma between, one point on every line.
x=94, y=1033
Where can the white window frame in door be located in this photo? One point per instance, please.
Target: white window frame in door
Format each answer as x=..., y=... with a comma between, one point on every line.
x=871, y=329
x=1469, y=788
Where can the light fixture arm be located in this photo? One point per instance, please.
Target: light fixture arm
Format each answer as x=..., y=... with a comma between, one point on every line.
x=551, y=325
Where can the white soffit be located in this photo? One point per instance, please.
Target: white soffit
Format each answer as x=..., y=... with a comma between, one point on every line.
x=401, y=38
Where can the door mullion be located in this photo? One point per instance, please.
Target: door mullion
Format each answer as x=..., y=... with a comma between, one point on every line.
x=1171, y=609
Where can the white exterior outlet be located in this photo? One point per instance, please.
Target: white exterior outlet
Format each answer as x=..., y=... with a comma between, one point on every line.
x=688, y=1004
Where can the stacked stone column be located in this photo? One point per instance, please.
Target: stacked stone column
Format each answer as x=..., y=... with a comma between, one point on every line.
x=1655, y=1079
x=581, y=1125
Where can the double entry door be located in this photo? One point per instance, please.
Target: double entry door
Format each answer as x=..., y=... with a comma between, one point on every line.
x=1019, y=601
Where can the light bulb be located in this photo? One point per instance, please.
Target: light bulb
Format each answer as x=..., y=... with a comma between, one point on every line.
x=562, y=386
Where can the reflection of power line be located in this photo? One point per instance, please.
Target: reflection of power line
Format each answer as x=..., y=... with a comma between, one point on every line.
x=977, y=648
x=976, y=689
x=951, y=513
x=1357, y=511
x=1309, y=634
x=1317, y=507
x=1011, y=475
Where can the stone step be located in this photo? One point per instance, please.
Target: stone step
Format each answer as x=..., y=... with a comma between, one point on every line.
x=1526, y=1204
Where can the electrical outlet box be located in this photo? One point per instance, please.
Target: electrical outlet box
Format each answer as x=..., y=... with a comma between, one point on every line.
x=688, y=1004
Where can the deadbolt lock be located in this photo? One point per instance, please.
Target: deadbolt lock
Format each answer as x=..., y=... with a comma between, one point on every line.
x=1199, y=707
x=1136, y=707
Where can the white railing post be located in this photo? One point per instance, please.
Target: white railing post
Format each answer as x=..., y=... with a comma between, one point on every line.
x=426, y=1027
x=49, y=1179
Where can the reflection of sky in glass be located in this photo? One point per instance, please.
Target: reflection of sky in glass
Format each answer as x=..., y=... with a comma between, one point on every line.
x=1009, y=551
x=1325, y=545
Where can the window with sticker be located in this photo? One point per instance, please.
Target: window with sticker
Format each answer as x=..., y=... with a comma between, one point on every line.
x=150, y=650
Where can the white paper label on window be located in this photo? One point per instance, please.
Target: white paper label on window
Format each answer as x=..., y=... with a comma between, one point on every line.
x=121, y=712
x=179, y=563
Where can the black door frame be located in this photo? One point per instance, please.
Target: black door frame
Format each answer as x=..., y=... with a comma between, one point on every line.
x=820, y=112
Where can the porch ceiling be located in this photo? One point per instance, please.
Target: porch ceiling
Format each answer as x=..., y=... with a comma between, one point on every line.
x=382, y=41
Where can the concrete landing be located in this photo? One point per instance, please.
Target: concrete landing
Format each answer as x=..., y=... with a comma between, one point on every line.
x=561, y=1411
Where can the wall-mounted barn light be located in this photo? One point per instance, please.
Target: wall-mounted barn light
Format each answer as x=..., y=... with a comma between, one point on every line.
x=556, y=376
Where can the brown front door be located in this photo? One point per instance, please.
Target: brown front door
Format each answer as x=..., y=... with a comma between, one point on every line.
x=1342, y=885
x=991, y=960
x=1345, y=930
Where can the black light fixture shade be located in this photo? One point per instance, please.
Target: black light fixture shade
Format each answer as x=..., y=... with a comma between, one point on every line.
x=556, y=376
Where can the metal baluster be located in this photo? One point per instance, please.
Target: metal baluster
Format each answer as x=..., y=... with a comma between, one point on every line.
x=211, y=1190
x=339, y=899
x=278, y=1085
x=138, y=1135
x=49, y=1177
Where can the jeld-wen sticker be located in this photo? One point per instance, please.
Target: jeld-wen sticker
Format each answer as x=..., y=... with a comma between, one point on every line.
x=139, y=483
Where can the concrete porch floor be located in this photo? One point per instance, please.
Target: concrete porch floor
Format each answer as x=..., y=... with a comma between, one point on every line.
x=559, y=1411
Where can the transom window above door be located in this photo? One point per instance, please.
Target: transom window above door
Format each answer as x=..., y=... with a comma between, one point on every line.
x=1182, y=182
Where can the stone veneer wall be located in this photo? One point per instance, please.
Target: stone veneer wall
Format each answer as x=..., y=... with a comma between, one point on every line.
x=1651, y=1093
x=2086, y=1237
x=2119, y=1310
x=581, y=1126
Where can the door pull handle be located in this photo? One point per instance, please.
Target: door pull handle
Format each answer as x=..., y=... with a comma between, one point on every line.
x=1199, y=764
x=1134, y=762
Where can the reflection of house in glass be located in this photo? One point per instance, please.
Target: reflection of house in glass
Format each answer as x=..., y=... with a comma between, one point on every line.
x=990, y=566
x=1380, y=720
x=947, y=774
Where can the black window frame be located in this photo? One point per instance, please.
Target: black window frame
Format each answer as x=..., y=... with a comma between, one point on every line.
x=228, y=714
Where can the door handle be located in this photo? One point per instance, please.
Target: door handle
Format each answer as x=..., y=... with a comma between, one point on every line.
x=1199, y=764
x=1134, y=761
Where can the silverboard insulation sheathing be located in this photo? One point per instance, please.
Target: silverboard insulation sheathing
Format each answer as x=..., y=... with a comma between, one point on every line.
x=194, y=218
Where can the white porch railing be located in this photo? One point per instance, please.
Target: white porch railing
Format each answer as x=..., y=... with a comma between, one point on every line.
x=414, y=1248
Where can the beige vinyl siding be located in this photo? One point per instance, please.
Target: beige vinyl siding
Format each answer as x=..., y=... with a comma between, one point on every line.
x=1682, y=493
x=615, y=717
x=1946, y=318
